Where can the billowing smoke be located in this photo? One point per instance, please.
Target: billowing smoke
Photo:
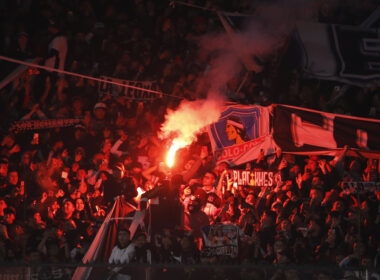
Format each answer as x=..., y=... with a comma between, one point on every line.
x=189, y=119
x=265, y=32
x=228, y=52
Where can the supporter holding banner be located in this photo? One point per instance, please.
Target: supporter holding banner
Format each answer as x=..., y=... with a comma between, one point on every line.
x=43, y=124
x=360, y=187
x=254, y=178
x=241, y=133
x=129, y=93
x=221, y=240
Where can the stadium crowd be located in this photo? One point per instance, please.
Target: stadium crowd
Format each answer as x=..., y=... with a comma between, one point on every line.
x=57, y=185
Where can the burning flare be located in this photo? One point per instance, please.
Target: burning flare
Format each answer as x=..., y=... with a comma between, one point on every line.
x=176, y=145
x=171, y=154
x=190, y=118
x=140, y=192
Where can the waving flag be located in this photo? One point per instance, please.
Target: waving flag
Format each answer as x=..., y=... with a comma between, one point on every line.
x=241, y=133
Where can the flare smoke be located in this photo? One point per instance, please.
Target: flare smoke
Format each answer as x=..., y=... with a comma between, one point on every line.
x=265, y=32
x=189, y=119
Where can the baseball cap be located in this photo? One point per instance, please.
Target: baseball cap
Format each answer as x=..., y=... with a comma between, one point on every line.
x=100, y=105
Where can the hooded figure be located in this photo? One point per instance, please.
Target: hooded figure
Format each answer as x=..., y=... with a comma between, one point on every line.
x=195, y=219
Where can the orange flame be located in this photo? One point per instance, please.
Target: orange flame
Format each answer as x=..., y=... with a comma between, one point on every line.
x=139, y=193
x=171, y=154
x=176, y=145
x=186, y=122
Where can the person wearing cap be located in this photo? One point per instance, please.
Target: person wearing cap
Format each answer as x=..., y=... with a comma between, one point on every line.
x=100, y=110
x=100, y=120
x=99, y=105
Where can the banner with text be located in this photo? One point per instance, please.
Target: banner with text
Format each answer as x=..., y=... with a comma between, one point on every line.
x=254, y=178
x=359, y=187
x=129, y=93
x=18, y=126
x=241, y=133
x=221, y=240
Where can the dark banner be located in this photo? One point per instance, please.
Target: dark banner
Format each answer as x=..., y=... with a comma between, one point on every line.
x=254, y=178
x=17, y=272
x=303, y=131
x=42, y=124
x=345, y=53
x=129, y=93
x=358, y=187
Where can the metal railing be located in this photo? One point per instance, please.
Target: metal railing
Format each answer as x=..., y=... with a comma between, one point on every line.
x=47, y=271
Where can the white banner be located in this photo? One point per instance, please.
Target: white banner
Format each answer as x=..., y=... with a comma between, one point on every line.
x=221, y=240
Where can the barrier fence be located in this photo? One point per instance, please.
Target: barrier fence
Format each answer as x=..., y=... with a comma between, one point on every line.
x=47, y=271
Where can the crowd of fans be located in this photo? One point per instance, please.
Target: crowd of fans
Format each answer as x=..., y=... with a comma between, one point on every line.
x=57, y=185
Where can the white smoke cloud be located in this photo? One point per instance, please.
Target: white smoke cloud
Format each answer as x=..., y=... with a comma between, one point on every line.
x=189, y=119
x=265, y=32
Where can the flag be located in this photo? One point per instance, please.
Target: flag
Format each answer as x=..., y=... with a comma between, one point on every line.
x=103, y=243
x=344, y=53
x=305, y=131
x=241, y=133
x=16, y=73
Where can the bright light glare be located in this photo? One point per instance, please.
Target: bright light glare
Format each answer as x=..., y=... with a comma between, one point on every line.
x=171, y=154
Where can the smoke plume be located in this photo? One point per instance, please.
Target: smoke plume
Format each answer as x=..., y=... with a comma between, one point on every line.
x=189, y=119
x=230, y=51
